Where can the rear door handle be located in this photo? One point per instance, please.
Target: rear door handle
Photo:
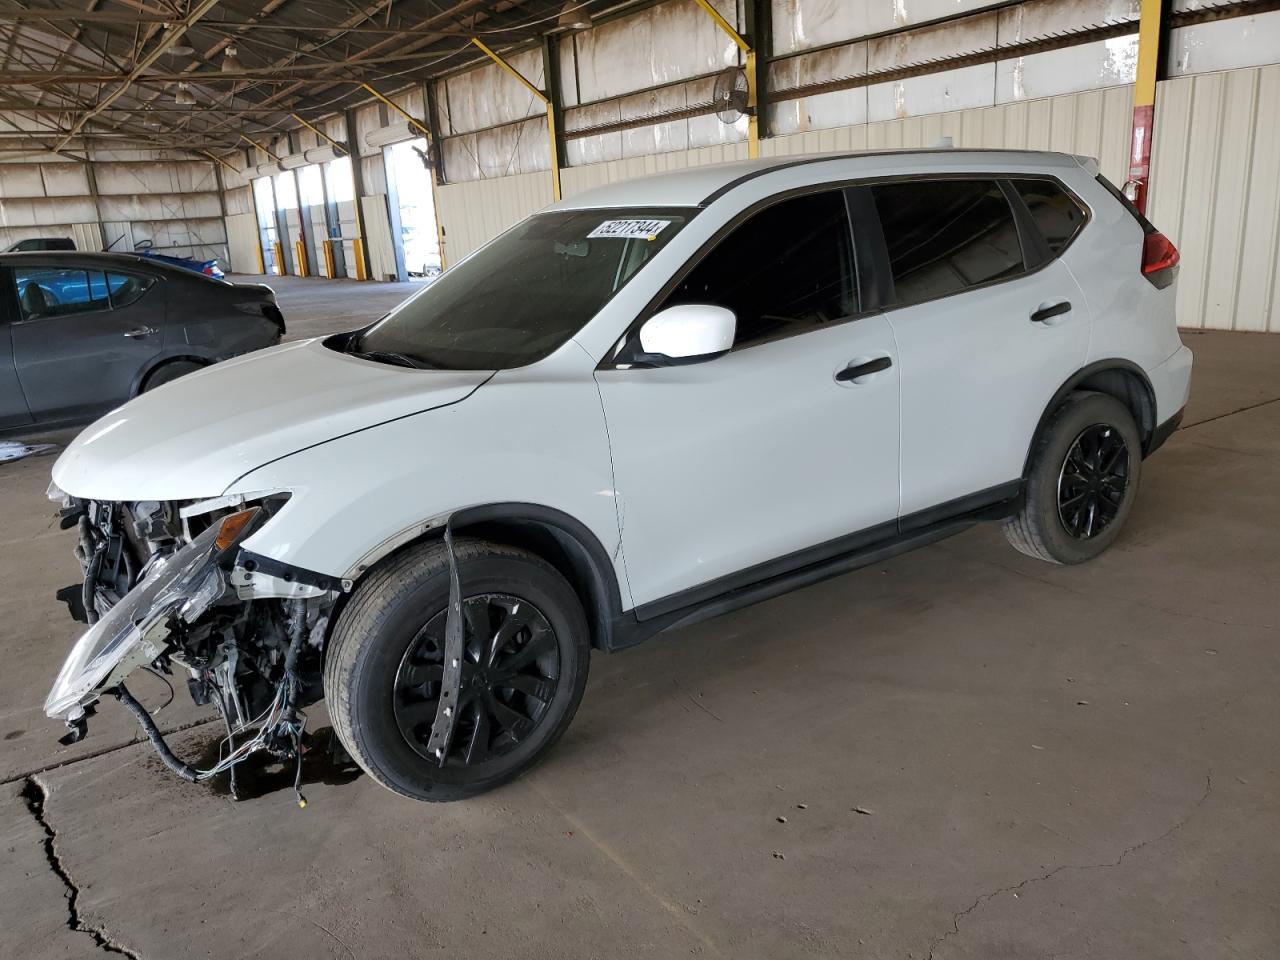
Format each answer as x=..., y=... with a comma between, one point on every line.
x=138, y=332
x=1047, y=312
x=854, y=371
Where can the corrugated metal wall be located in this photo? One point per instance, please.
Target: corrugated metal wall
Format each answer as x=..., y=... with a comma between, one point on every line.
x=475, y=211
x=1215, y=184
x=1215, y=190
x=169, y=201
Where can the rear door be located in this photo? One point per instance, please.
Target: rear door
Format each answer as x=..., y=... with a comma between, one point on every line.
x=76, y=355
x=988, y=323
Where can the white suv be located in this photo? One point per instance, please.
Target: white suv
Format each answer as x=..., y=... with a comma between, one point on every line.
x=649, y=404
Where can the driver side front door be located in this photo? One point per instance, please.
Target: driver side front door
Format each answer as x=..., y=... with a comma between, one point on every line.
x=730, y=470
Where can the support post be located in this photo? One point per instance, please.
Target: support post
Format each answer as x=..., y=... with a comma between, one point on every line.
x=358, y=248
x=92, y=178
x=542, y=95
x=1150, y=32
x=752, y=70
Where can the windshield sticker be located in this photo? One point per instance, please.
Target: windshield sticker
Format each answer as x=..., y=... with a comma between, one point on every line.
x=629, y=229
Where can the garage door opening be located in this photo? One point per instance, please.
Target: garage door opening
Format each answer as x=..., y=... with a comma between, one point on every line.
x=413, y=216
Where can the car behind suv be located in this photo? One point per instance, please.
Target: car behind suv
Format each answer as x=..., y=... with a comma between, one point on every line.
x=648, y=404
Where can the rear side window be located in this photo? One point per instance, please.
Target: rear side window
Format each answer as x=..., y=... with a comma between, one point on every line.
x=945, y=236
x=1055, y=212
x=786, y=270
x=127, y=288
x=52, y=292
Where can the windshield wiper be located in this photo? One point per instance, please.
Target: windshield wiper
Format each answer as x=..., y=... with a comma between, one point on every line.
x=388, y=356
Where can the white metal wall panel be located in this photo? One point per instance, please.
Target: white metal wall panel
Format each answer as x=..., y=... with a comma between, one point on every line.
x=1094, y=123
x=377, y=237
x=474, y=212
x=1215, y=190
x=576, y=179
x=88, y=236
x=242, y=242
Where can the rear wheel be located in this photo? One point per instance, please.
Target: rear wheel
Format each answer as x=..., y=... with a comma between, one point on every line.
x=523, y=671
x=168, y=372
x=1083, y=480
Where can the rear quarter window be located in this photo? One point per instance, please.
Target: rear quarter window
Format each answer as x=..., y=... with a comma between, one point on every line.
x=1057, y=214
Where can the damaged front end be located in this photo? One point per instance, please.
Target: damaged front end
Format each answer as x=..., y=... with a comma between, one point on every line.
x=169, y=584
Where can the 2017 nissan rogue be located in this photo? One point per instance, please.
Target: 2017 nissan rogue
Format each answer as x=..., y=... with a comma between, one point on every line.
x=648, y=404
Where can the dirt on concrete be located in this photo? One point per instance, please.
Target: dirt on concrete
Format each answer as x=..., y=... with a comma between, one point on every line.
x=960, y=753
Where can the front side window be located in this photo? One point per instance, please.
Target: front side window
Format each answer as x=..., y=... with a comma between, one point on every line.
x=127, y=288
x=945, y=236
x=53, y=292
x=1056, y=213
x=521, y=297
x=786, y=270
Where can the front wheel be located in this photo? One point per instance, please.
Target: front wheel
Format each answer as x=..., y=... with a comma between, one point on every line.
x=1082, y=483
x=524, y=668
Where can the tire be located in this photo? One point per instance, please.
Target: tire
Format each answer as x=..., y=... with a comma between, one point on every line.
x=381, y=668
x=1054, y=523
x=168, y=372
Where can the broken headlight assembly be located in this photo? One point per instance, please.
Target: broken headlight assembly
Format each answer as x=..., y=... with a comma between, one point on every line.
x=136, y=630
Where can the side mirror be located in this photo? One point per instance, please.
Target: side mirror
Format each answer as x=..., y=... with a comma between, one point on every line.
x=687, y=333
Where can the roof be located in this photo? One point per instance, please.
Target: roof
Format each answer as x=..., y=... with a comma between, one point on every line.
x=698, y=186
x=102, y=260
x=111, y=72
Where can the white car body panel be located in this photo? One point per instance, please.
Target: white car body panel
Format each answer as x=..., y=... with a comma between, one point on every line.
x=964, y=359
x=532, y=435
x=192, y=438
x=724, y=465
x=683, y=474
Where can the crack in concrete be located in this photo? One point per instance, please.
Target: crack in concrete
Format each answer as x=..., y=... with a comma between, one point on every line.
x=94, y=754
x=35, y=794
x=988, y=897
x=1232, y=413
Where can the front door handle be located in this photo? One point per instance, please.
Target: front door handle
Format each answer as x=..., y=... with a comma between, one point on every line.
x=1047, y=312
x=856, y=370
x=138, y=332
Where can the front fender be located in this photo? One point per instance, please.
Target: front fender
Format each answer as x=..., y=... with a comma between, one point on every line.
x=358, y=497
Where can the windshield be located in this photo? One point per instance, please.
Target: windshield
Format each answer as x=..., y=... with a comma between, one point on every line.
x=521, y=297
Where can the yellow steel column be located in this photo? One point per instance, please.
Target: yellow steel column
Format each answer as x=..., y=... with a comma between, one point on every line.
x=753, y=125
x=1144, y=101
x=546, y=102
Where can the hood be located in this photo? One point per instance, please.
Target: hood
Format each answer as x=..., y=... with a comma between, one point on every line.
x=194, y=437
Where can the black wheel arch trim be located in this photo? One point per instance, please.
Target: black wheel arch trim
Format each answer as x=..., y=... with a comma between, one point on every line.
x=164, y=360
x=543, y=529
x=1073, y=383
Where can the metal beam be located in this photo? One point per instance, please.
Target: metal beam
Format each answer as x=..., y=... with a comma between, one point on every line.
x=752, y=71
x=170, y=38
x=553, y=136
x=320, y=133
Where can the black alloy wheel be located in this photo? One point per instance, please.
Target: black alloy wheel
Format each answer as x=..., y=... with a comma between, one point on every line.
x=510, y=672
x=1093, y=480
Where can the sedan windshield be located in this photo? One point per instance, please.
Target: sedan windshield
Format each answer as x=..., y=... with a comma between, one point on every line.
x=521, y=297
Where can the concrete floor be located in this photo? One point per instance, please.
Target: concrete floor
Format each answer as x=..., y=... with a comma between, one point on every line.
x=976, y=756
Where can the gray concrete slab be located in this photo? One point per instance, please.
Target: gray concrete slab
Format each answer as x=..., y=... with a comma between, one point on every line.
x=976, y=756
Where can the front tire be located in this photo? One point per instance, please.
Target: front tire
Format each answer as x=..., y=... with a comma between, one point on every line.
x=525, y=664
x=1082, y=483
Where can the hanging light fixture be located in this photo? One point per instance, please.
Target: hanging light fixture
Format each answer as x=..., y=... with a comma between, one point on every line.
x=184, y=97
x=229, y=62
x=573, y=16
x=180, y=47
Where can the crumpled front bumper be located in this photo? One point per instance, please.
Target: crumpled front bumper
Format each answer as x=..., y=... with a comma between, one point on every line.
x=135, y=631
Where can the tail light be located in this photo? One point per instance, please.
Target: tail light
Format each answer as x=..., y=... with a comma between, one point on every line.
x=1159, y=259
x=208, y=270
